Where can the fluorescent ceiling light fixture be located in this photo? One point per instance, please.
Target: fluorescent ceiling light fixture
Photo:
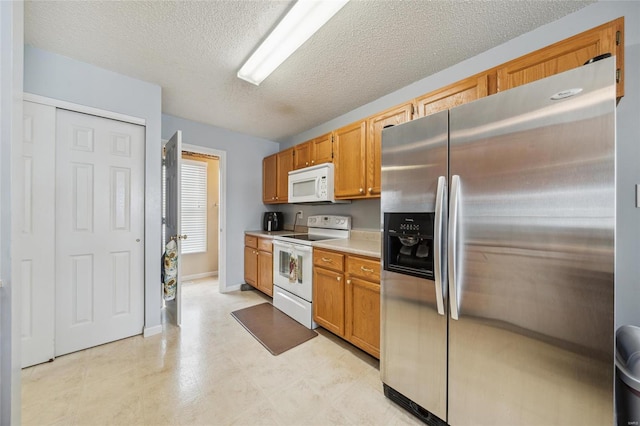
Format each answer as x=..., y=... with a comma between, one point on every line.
x=301, y=22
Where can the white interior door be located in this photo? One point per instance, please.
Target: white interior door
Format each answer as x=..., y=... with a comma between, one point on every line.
x=99, y=230
x=173, y=156
x=33, y=224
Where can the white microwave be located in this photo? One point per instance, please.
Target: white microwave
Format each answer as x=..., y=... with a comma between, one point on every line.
x=312, y=184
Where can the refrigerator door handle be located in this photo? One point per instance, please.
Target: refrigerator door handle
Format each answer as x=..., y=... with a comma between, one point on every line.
x=453, y=228
x=437, y=242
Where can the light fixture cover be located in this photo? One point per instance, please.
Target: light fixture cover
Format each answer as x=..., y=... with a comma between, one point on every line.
x=299, y=24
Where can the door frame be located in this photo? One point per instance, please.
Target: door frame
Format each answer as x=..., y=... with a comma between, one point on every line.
x=222, y=212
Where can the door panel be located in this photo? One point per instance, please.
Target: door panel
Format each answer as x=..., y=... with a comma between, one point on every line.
x=534, y=254
x=173, y=157
x=99, y=231
x=33, y=233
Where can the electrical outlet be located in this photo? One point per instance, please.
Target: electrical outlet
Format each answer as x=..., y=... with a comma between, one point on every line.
x=300, y=214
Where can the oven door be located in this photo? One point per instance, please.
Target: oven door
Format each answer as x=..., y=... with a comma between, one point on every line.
x=292, y=268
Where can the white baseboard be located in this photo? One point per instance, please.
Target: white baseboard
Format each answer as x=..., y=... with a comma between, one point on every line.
x=198, y=276
x=232, y=288
x=150, y=331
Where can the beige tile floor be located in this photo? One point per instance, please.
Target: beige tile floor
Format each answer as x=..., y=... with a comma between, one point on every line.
x=209, y=372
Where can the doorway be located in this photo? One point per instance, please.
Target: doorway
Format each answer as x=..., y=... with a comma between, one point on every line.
x=202, y=253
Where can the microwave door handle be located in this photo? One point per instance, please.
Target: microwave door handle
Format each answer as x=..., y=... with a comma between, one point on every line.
x=317, y=187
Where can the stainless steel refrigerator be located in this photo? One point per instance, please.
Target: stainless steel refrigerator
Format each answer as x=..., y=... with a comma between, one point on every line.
x=498, y=256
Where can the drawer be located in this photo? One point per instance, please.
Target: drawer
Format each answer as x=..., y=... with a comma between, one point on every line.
x=328, y=259
x=265, y=244
x=365, y=268
x=251, y=241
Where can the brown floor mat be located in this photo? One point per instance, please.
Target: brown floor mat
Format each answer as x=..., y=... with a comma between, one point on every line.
x=275, y=330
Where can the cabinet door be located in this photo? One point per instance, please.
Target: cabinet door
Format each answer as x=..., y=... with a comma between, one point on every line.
x=391, y=117
x=265, y=272
x=251, y=266
x=565, y=55
x=458, y=93
x=350, y=161
x=363, y=315
x=322, y=149
x=302, y=155
x=328, y=300
x=284, y=166
x=269, y=179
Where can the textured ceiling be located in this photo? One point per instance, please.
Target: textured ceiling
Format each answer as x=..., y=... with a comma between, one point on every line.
x=193, y=50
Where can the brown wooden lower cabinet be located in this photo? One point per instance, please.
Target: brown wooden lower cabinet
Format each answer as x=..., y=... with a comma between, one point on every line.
x=258, y=263
x=346, y=297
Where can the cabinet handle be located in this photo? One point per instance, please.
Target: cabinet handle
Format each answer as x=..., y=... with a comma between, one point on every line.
x=276, y=198
x=306, y=163
x=338, y=278
x=363, y=269
x=362, y=190
x=273, y=198
x=348, y=281
x=313, y=162
x=370, y=190
x=326, y=259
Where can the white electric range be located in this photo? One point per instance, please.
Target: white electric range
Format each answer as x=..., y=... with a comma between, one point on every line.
x=293, y=265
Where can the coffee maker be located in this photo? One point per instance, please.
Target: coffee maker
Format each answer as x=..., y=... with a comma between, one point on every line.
x=272, y=221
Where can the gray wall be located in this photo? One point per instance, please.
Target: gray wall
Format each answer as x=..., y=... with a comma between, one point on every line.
x=11, y=61
x=67, y=79
x=244, y=183
x=628, y=133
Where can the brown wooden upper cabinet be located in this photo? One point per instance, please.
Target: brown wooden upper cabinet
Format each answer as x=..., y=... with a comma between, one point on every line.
x=349, y=144
x=315, y=151
x=269, y=178
x=302, y=155
x=391, y=117
x=322, y=149
x=455, y=94
x=567, y=54
x=275, y=177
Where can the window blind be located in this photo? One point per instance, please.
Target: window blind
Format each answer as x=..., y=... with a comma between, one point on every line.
x=193, y=208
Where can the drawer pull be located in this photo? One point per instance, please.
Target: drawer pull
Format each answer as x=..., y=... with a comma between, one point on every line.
x=363, y=269
x=338, y=278
x=326, y=259
x=348, y=281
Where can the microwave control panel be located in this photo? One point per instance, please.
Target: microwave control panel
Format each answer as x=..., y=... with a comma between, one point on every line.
x=322, y=190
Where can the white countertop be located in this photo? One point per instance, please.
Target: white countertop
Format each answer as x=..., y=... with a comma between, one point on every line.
x=267, y=234
x=364, y=243
x=363, y=247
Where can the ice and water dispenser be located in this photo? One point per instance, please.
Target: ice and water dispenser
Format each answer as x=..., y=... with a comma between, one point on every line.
x=408, y=246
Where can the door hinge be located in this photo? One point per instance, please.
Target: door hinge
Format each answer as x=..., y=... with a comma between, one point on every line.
x=164, y=162
x=618, y=75
x=1, y=284
x=164, y=220
x=413, y=110
x=617, y=38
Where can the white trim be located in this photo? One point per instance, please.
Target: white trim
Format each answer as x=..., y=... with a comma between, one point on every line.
x=198, y=276
x=30, y=97
x=231, y=288
x=151, y=331
x=222, y=214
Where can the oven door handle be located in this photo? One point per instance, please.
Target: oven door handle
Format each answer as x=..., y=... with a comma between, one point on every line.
x=282, y=245
x=306, y=249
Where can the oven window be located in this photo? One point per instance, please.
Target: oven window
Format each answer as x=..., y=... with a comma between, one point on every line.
x=290, y=267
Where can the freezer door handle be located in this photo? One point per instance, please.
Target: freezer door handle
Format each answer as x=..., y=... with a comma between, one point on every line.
x=438, y=226
x=453, y=228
